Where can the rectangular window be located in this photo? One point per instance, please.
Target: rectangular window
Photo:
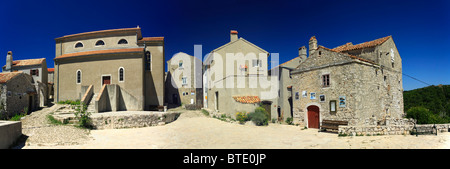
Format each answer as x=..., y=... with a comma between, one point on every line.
x=332, y=106
x=326, y=80
x=184, y=80
x=256, y=63
x=34, y=72
x=297, y=95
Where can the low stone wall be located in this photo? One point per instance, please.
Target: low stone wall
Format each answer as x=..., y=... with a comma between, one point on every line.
x=376, y=130
x=403, y=129
x=117, y=120
x=10, y=131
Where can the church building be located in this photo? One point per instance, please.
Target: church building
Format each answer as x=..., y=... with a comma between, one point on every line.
x=116, y=69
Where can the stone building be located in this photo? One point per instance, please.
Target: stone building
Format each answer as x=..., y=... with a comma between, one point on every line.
x=361, y=84
x=233, y=77
x=37, y=68
x=184, y=81
x=17, y=94
x=116, y=69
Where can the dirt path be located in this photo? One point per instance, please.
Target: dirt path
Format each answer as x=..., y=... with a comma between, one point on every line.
x=38, y=131
x=195, y=131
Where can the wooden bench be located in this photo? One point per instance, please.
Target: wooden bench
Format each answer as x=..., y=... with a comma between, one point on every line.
x=424, y=130
x=332, y=124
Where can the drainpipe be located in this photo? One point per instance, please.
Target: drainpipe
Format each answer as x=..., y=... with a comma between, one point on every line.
x=57, y=82
x=57, y=76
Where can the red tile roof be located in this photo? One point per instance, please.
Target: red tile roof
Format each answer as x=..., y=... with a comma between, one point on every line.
x=233, y=32
x=5, y=77
x=27, y=62
x=101, y=31
x=348, y=46
x=351, y=56
x=313, y=38
x=152, y=39
x=50, y=70
x=247, y=99
x=98, y=52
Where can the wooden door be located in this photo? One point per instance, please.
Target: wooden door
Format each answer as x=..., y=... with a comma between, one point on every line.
x=313, y=117
x=106, y=80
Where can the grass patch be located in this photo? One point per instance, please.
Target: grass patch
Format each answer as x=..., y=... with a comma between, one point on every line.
x=53, y=121
x=205, y=112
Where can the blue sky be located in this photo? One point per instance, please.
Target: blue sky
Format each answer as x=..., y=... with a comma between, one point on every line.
x=420, y=28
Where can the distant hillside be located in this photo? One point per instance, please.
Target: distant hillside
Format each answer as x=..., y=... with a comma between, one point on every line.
x=434, y=98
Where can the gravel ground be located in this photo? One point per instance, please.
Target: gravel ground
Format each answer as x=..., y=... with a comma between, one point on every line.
x=39, y=131
x=192, y=130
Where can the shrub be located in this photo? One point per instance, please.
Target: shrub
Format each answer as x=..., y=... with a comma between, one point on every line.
x=259, y=117
x=289, y=120
x=83, y=117
x=423, y=116
x=71, y=102
x=242, y=117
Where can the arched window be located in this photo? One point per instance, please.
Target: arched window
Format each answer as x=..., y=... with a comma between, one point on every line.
x=122, y=41
x=99, y=43
x=78, y=76
x=121, y=74
x=79, y=45
x=148, y=61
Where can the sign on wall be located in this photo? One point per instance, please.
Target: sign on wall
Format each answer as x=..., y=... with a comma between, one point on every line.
x=312, y=95
x=342, y=101
x=304, y=94
x=322, y=98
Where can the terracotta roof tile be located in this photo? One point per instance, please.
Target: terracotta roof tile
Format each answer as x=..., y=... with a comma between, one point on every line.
x=5, y=77
x=351, y=56
x=27, y=62
x=101, y=31
x=247, y=99
x=233, y=32
x=373, y=43
x=313, y=38
x=50, y=70
x=98, y=52
x=152, y=39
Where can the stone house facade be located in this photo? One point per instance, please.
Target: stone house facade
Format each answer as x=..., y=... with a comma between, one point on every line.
x=118, y=59
x=17, y=94
x=361, y=84
x=37, y=68
x=184, y=81
x=233, y=75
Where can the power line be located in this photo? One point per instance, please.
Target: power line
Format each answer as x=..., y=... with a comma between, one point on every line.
x=416, y=79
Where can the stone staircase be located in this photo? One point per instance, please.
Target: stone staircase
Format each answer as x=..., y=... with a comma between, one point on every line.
x=91, y=105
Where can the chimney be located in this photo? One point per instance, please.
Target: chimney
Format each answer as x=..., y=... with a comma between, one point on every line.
x=9, y=60
x=312, y=45
x=302, y=53
x=233, y=35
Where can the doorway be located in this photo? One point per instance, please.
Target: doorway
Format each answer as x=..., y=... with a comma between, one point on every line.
x=217, y=100
x=313, y=117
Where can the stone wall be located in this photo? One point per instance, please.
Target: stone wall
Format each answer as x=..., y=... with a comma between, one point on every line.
x=10, y=131
x=117, y=120
x=389, y=126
